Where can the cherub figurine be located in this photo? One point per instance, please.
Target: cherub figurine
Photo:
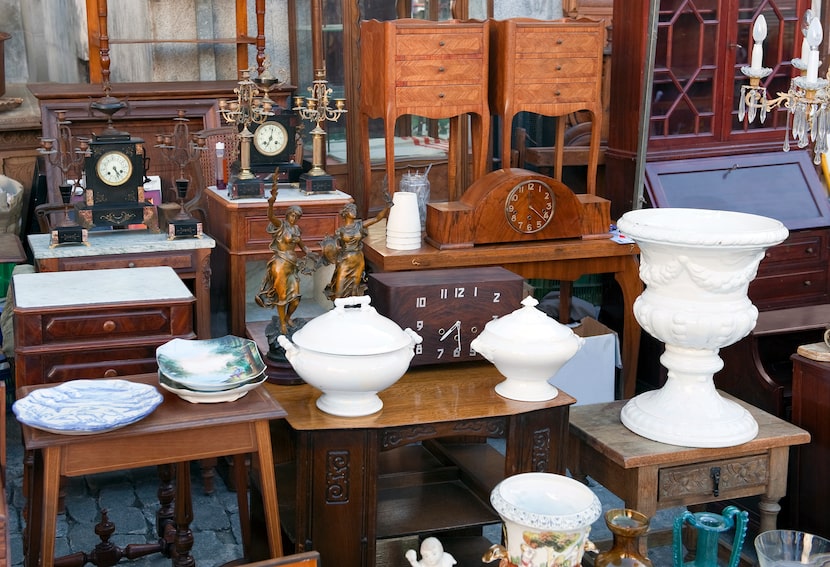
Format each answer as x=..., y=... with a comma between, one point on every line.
x=281, y=285
x=345, y=251
x=432, y=555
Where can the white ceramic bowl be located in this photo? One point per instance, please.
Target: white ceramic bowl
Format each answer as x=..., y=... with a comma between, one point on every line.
x=350, y=353
x=547, y=517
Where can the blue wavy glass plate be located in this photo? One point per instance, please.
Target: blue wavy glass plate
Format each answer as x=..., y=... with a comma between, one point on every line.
x=210, y=365
x=84, y=407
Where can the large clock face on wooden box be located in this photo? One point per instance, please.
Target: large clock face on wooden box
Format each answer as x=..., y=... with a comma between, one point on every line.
x=448, y=308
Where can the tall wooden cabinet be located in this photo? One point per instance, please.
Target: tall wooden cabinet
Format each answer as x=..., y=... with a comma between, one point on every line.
x=696, y=79
x=431, y=69
x=550, y=68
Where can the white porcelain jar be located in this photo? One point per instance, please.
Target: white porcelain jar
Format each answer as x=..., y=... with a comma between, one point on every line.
x=528, y=348
x=350, y=353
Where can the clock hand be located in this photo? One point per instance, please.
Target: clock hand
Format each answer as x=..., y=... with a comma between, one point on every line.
x=532, y=208
x=444, y=334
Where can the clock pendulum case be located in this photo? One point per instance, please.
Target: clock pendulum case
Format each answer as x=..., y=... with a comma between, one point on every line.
x=114, y=171
x=447, y=307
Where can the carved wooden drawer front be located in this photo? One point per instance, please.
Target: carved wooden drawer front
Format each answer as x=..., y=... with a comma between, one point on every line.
x=699, y=482
x=183, y=261
x=113, y=324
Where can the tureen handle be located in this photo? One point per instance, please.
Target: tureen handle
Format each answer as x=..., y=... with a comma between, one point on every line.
x=362, y=300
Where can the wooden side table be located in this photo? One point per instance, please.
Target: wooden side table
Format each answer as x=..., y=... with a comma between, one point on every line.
x=239, y=227
x=176, y=432
x=361, y=485
x=650, y=476
x=189, y=257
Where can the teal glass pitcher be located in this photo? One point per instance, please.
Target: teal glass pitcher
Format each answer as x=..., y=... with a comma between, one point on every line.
x=709, y=526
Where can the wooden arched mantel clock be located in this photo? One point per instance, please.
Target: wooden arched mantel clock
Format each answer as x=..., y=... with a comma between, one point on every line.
x=516, y=205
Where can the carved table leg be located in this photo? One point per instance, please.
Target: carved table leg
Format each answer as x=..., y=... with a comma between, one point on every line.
x=184, y=515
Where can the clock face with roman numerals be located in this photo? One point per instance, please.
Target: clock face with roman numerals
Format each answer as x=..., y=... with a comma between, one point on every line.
x=448, y=308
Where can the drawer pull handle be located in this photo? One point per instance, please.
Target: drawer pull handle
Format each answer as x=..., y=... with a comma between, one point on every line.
x=559, y=67
x=110, y=373
x=109, y=326
x=440, y=95
x=441, y=43
x=559, y=41
x=809, y=250
x=714, y=472
x=808, y=283
x=557, y=93
x=131, y=265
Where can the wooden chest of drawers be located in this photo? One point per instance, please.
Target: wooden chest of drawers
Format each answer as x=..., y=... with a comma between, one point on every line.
x=96, y=323
x=424, y=68
x=552, y=68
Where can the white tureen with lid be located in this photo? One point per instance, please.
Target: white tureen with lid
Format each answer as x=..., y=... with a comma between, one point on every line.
x=528, y=348
x=350, y=353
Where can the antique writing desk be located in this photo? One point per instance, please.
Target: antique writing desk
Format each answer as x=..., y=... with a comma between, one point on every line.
x=553, y=259
x=239, y=227
x=176, y=432
x=648, y=475
x=360, y=485
x=189, y=257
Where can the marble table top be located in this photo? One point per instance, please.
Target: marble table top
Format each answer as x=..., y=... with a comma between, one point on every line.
x=91, y=287
x=106, y=242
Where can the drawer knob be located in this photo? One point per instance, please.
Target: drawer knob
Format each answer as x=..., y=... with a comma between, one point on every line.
x=440, y=95
x=131, y=265
x=441, y=43
x=809, y=250
x=110, y=373
x=441, y=69
x=559, y=67
x=714, y=472
x=557, y=93
x=109, y=326
x=807, y=283
x=559, y=41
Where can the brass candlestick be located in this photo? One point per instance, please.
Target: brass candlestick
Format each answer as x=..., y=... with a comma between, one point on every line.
x=181, y=148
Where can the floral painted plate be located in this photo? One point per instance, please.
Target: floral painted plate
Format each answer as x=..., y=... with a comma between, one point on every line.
x=197, y=397
x=210, y=365
x=84, y=407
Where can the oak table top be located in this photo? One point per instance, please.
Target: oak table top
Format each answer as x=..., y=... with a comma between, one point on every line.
x=452, y=392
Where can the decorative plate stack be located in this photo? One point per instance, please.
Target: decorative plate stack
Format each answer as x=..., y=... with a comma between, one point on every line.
x=211, y=370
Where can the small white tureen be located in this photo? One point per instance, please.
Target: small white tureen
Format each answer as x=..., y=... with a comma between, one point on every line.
x=350, y=353
x=528, y=348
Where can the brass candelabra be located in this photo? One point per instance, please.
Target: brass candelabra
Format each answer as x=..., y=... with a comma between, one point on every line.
x=67, y=153
x=181, y=148
x=315, y=108
x=248, y=108
x=808, y=97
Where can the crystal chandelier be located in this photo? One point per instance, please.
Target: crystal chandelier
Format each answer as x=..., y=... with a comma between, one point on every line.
x=806, y=100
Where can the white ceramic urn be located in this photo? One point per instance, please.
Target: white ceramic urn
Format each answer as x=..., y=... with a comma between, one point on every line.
x=697, y=265
x=528, y=348
x=350, y=353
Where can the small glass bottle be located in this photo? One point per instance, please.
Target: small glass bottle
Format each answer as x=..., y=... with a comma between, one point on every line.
x=628, y=527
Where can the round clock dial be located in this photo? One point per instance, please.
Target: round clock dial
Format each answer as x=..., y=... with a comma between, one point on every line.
x=271, y=138
x=529, y=206
x=114, y=168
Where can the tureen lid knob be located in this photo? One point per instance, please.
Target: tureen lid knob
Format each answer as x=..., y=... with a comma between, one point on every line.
x=530, y=301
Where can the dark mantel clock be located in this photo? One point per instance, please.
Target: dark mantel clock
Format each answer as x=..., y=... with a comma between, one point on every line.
x=274, y=146
x=114, y=171
x=448, y=308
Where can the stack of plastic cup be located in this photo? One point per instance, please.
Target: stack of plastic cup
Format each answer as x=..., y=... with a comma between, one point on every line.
x=403, y=226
